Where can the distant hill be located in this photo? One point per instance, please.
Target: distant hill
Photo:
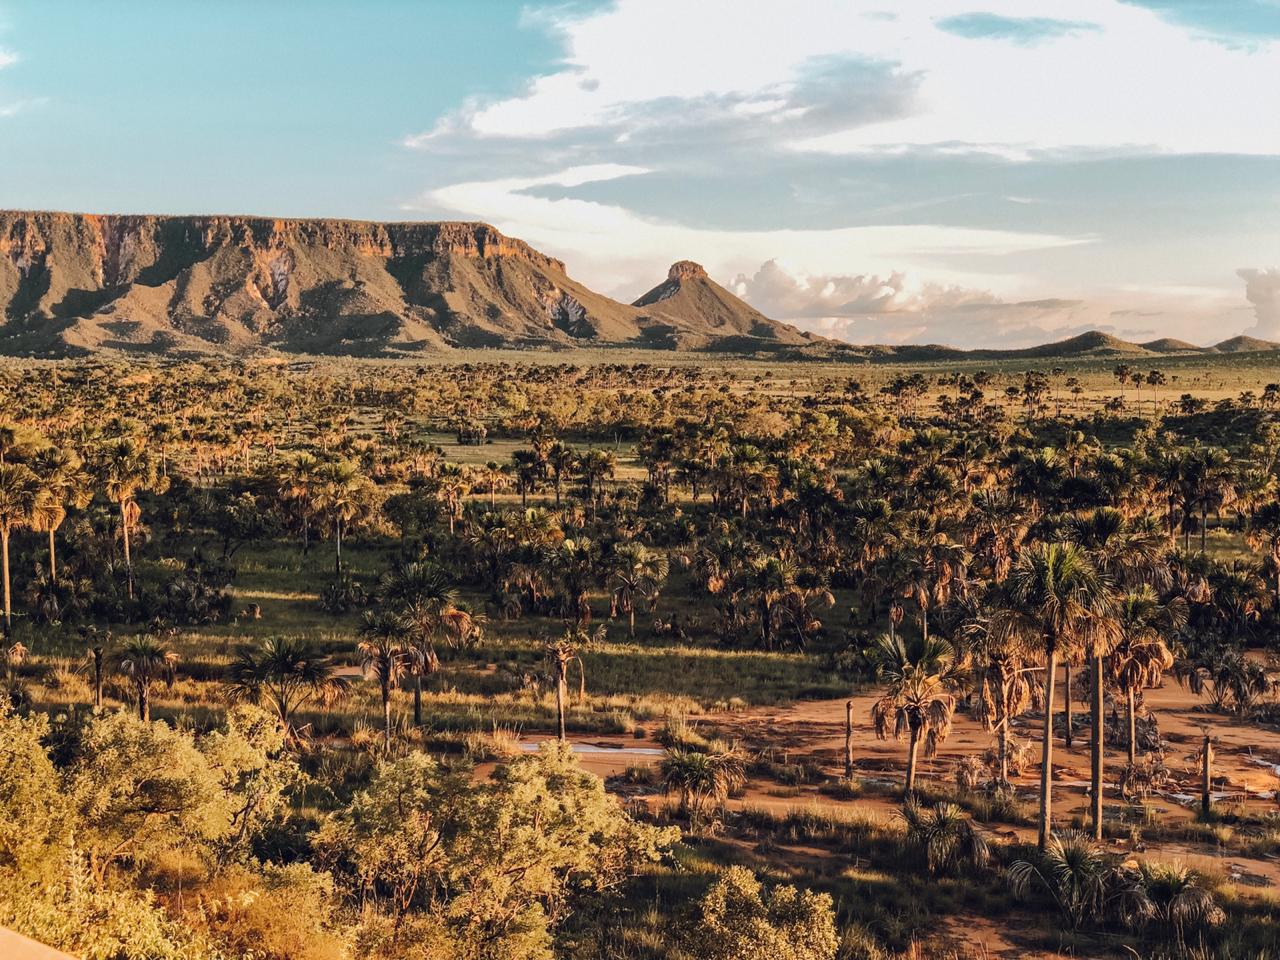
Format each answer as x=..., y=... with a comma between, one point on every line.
x=1243, y=344
x=76, y=283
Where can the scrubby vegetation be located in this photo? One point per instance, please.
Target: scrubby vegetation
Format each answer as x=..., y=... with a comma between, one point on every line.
x=325, y=660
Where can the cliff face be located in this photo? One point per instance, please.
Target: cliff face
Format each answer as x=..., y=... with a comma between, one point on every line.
x=73, y=283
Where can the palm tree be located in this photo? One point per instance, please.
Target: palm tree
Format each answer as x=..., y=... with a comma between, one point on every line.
x=125, y=468
x=918, y=699
x=947, y=837
x=145, y=660
x=1141, y=654
x=698, y=775
x=562, y=652
x=1178, y=899
x=286, y=673
x=384, y=649
x=299, y=485
x=63, y=483
x=342, y=494
x=1056, y=603
x=561, y=458
x=426, y=603
x=637, y=571
x=20, y=499
x=1082, y=880
x=1008, y=690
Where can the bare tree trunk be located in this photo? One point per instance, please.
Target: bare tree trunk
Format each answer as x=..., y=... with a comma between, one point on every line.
x=848, y=740
x=386, y=717
x=1046, y=753
x=1004, y=752
x=1066, y=699
x=97, y=676
x=144, y=702
x=128, y=559
x=560, y=693
x=417, y=700
x=912, y=748
x=1206, y=781
x=53, y=558
x=8, y=604
x=1133, y=738
x=1097, y=749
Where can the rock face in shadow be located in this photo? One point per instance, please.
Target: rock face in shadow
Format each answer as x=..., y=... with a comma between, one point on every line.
x=71, y=284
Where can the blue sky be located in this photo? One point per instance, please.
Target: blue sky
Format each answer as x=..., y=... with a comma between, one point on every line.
x=977, y=172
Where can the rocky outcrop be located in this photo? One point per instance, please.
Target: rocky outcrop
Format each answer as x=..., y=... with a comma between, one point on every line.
x=73, y=283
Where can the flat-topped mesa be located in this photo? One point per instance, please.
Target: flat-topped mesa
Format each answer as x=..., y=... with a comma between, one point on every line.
x=686, y=270
x=122, y=241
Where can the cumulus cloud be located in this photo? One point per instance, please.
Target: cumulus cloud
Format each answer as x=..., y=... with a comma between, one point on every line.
x=1262, y=289
x=868, y=308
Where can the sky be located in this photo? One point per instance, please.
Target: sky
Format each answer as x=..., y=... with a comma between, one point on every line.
x=980, y=173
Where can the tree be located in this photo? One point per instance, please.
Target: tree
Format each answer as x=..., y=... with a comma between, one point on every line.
x=125, y=468
x=637, y=571
x=20, y=499
x=918, y=700
x=946, y=836
x=562, y=652
x=424, y=599
x=1141, y=654
x=700, y=775
x=1055, y=602
x=286, y=673
x=562, y=459
x=1007, y=691
x=741, y=920
x=63, y=483
x=1082, y=880
x=146, y=661
x=384, y=649
x=342, y=495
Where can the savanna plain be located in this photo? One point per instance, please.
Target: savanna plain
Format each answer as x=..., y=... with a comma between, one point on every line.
x=614, y=654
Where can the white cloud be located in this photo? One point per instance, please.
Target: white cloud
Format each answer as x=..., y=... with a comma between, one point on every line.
x=7, y=58
x=622, y=252
x=1136, y=82
x=900, y=308
x=1262, y=289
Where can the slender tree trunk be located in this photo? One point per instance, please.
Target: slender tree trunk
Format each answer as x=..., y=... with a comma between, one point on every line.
x=1097, y=749
x=1133, y=738
x=8, y=604
x=128, y=558
x=144, y=702
x=386, y=716
x=1046, y=753
x=848, y=740
x=631, y=623
x=97, y=677
x=1004, y=752
x=53, y=558
x=1206, y=779
x=1066, y=699
x=560, y=694
x=417, y=700
x=912, y=748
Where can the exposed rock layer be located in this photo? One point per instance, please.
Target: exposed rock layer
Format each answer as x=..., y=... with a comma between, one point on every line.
x=73, y=283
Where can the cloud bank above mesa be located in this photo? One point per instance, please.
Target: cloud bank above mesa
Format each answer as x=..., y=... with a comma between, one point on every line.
x=650, y=139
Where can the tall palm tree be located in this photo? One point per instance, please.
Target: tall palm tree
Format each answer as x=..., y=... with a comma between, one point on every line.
x=1141, y=654
x=637, y=571
x=286, y=673
x=64, y=484
x=425, y=601
x=561, y=653
x=1056, y=602
x=126, y=468
x=342, y=494
x=384, y=650
x=146, y=660
x=20, y=500
x=918, y=701
x=561, y=458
